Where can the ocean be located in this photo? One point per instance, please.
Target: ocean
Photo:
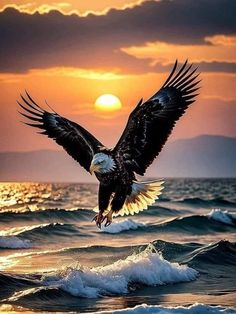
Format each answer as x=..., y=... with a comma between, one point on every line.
x=179, y=256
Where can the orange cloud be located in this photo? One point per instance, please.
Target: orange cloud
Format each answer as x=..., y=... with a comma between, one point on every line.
x=78, y=73
x=222, y=40
x=88, y=74
x=221, y=48
x=79, y=7
x=32, y=8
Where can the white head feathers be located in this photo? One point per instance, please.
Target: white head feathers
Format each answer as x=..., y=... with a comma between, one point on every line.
x=102, y=163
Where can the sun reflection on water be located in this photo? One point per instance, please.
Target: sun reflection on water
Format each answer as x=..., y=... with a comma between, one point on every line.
x=24, y=197
x=14, y=309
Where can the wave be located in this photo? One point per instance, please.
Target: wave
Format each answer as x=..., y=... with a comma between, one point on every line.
x=197, y=255
x=11, y=242
x=123, y=225
x=222, y=216
x=215, y=221
x=160, y=263
x=63, y=215
x=145, y=268
x=157, y=210
x=57, y=229
x=23, y=230
x=47, y=215
x=158, y=309
x=219, y=253
x=36, y=232
x=217, y=201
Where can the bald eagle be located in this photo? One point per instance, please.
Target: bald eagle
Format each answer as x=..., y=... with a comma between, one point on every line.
x=148, y=127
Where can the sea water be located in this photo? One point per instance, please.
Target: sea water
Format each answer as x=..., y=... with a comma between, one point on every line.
x=179, y=256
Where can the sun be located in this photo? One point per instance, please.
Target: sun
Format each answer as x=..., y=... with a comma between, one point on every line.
x=108, y=102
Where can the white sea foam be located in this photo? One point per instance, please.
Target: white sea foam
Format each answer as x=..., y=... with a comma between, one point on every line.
x=10, y=242
x=147, y=267
x=222, y=216
x=192, y=309
x=123, y=225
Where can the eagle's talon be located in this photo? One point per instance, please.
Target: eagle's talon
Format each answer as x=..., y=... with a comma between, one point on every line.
x=108, y=218
x=98, y=219
x=107, y=223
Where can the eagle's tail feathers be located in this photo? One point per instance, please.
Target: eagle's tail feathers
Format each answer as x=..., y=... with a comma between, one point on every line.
x=143, y=195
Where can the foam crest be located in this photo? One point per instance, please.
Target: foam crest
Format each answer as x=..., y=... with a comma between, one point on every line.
x=123, y=225
x=10, y=242
x=21, y=230
x=192, y=309
x=146, y=268
x=222, y=216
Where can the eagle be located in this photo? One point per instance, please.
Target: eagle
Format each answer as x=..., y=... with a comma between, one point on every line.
x=148, y=128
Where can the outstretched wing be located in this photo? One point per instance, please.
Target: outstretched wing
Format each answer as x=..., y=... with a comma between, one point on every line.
x=151, y=122
x=77, y=141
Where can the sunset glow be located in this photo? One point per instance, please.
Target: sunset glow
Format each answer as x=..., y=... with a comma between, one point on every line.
x=72, y=60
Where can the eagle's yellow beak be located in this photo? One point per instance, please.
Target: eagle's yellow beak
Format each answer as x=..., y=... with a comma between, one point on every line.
x=93, y=168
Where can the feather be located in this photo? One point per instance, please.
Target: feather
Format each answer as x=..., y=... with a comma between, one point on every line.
x=150, y=124
x=31, y=118
x=176, y=77
x=77, y=141
x=29, y=111
x=171, y=74
x=30, y=105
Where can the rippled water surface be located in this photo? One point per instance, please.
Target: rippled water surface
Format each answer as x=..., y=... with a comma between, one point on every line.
x=178, y=252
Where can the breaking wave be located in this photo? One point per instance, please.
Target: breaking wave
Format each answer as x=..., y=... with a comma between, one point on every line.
x=222, y=216
x=145, y=268
x=123, y=225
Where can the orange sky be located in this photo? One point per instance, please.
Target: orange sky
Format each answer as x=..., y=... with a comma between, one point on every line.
x=70, y=78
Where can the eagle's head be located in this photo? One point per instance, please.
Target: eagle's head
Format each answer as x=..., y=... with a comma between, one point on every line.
x=102, y=163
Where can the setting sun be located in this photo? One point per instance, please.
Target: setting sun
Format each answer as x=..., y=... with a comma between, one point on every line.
x=108, y=102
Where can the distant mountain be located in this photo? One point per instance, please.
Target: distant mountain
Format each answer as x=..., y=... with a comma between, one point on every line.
x=203, y=156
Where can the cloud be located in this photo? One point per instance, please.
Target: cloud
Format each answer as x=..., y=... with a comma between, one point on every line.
x=79, y=7
x=78, y=73
x=222, y=48
x=94, y=42
x=62, y=72
x=32, y=7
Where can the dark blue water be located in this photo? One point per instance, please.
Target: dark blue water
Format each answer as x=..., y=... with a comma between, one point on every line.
x=178, y=252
